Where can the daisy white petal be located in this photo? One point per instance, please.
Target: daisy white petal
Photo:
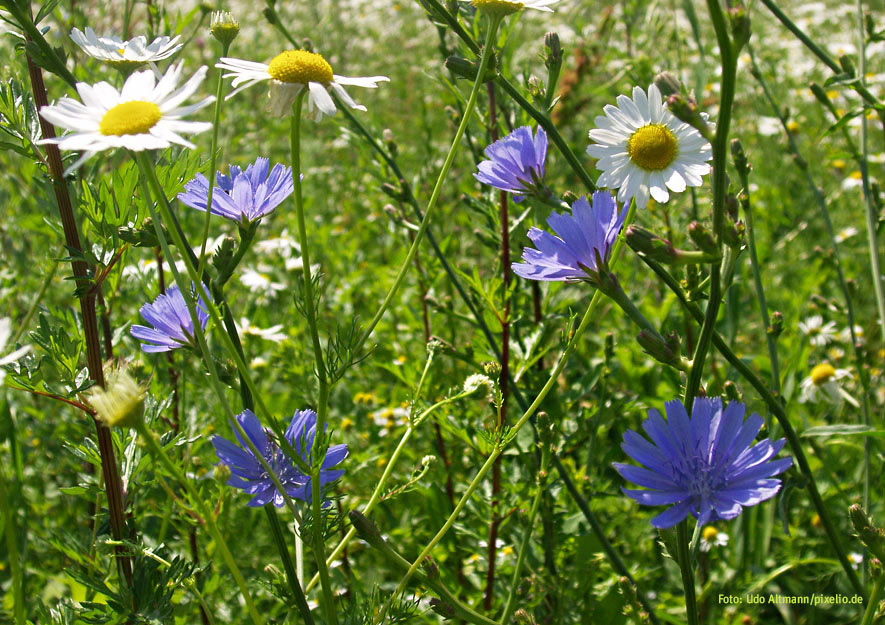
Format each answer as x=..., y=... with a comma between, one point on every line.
x=662, y=153
x=291, y=71
x=130, y=53
x=143, y=115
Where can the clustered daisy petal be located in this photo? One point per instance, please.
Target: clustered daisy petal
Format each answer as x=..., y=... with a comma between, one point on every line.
x=131, y=53
x=249, y=475
x=292, y=71
x=244, y=196
x=145, y=114
x=704, y=464
x=644, y=150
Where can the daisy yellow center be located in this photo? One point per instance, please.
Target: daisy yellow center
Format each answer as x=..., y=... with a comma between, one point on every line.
x=498, y=7
x=653, y=147
x=300, y=66
x=130, y=118
x=821, y=373
x=710, y=533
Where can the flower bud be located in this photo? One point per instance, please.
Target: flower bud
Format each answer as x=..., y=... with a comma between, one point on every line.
x=777, y=324
x=650, y=245
x=666, y=351
x=732, y=392
x=121, y=402
x=733, y=234
x=875, y=568
x=430, y=568
x=492, y=368
x=390, y=141
x=224, y=27
x=668, y=84
x=467, y=69
x=365, y=528
x=523, y=617
x=686, y=109
x=536, y=87
x=393, y=192
x=740, y=158
x=445, y=610
x=221, y=473
x=703, y=239
x=847, y=64
x=740, y=26
x=478, y=381
x=554, y=48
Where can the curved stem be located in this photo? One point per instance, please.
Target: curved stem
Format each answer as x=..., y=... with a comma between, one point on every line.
x=213, y=155
x=873, y=603
x=291, y=575
x=777, y=409
x=437, y=188
x=159, y=454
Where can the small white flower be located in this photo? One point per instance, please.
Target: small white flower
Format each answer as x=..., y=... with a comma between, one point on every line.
x=272, y=333
x=643, y=150
x=5, y=333
x=822, y=382
x=819, y=333
x=144, y=115
x=289, y=73
x=846, y=233
x=130, y=53
x=505, y=7
x=711, y=537
x=856, y=560
x=845, y=334
x=389, y=419
x=260, y=282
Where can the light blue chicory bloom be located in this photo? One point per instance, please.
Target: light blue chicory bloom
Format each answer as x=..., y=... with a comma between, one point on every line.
x=516, y=163
x=171, y=321
x=247, y=473
x=585, y=238
x=244, y=196
x=703, y=464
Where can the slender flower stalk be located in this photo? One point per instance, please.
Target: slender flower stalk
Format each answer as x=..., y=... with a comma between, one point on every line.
x=320, y=365
x=110, y=470
x=501, y=445
x=777, y=408
x=208, y=516
x=213, y=155
x=494, y=21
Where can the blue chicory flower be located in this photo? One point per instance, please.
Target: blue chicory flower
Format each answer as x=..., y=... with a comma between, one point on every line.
x=244, y=196
x=704, y=464
x=585, y=238
x=171, y=321
x=248, y=474
x=516, y=163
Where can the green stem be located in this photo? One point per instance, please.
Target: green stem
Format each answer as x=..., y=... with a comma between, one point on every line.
x=530, y=411
x=437, y=188
x=774, y=404
x=510, y=604
x=319, y=444
x=616, y=562
x=757, y=280
x=18, y=597
x=291, y=576
x=873, y=604
x=159, y=454
x=691, y=605
x=213, y=155
x=155, y=189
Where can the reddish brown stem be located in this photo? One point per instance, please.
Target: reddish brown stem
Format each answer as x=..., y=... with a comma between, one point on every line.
x=110, y=471
x=494, y=522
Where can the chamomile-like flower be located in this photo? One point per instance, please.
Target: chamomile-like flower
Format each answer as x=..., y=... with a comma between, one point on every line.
x=505, y=7
x=819, y=333
x=126, y=54
x=289, y=73
x=644, y=150
x=144, y=115
x=823, y=383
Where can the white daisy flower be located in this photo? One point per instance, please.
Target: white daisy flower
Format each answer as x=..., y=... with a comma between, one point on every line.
x=389, y=419
x=856, y=560
x=272, y=333
x=819, y=333
x=289, y=73
x=822, y=383
x=504, y=7
x=260, y=282
x=711, y=537
x=643, y=150
x=144, y=115
x=846, y=233
x=127, y=54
